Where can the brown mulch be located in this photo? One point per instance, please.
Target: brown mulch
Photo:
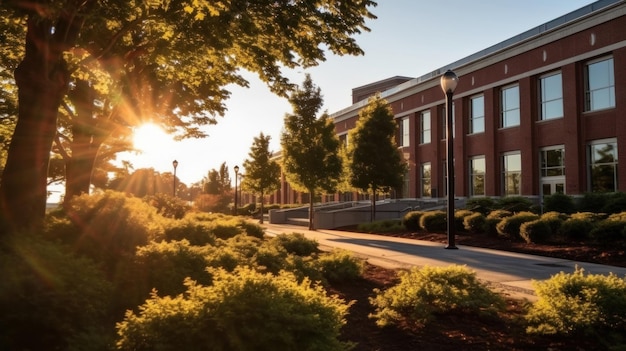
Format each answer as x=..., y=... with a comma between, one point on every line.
x=456, y=331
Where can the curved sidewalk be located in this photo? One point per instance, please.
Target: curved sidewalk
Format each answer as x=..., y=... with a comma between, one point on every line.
x=509, y=272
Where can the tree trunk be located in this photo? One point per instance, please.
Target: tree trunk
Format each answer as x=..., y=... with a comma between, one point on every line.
x=373, y=207
x=262, y=201
x=311, y=212
x=42, y=79
x=85, y=142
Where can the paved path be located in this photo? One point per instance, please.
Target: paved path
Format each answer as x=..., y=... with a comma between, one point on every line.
x=509, y=272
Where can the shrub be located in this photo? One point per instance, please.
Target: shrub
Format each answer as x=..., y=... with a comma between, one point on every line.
x=493, y=218
x=167, y=205
x=411, y=220
x=537, y=231
x=434, y=221
x=217, y=203
x=510, y=226
x=559, y=202
x=592, y=202
x=252, y=229
x=196, y=232
x=554, y=220
x=49, y=298
x=384, y=226
x=514, y=204
x=615, y=203
x=578, y=302
x=483, y=205
x=576, y=229
x=425, y=292
x=340, y=266
x=226, y=228
x=459, y=216
x=608, y=233
x=246, y=310
x=475, y=223
x=296, y=243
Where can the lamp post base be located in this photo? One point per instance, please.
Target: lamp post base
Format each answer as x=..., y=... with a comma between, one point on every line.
x=451, y=247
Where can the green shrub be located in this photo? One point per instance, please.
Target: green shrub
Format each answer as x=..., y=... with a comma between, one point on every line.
x=340, y=266
x=514, y=204
x=297, y=244
x=459, y=217
x=226, y=228
x=510, y=226
x=578, y=303
x=609, y=233
x=411, y=220
x=252, y=229
x=196, y=232
x=241, y=311
x=493, y=218
x=475, y=223
x=167, y=205
x=554, y=220
x=434, y=221
x=537, y=231
x=424, y=292
x=576, y=229
x=615, y=203
x=592, y=202
x=559, y=202
x=483, y=205
x=51, y=299
x=384, y=226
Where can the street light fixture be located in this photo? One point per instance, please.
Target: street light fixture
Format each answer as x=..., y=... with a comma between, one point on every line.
x=175, y=164
x=236, y=168
x=449, y=80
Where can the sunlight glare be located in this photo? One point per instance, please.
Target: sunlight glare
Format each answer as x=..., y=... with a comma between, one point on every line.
x=149, y=138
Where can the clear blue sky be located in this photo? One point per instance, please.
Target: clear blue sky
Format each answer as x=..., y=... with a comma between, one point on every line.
x=409, y=38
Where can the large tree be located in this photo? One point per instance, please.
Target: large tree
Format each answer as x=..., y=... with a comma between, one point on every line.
x=169, y=62
x=262, y=172
x=374, y=162
x=310, y=147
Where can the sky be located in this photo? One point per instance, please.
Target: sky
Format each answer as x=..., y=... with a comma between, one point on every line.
x=409, y=38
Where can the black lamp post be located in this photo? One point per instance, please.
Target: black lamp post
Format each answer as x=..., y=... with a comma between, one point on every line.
x=449, y=81
x=236, y=168
x=175, y=164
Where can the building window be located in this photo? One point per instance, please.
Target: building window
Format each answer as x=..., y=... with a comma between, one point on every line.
x=599, y=85
x=425, y=127
x=603, y=165
x=343, y=139
x=477, y=175
x=426, y=180
x=552, y=162
x=405, y=132
x=477, y=115
x=512, y=174
x=551, y=93
x=510, y=107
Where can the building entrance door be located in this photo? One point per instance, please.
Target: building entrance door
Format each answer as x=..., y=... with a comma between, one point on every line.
x=552, y=185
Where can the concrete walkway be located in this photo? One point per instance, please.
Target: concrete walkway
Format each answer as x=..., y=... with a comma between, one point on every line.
x=508, y=272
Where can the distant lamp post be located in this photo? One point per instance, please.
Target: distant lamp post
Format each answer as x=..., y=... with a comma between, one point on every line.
x=449, y=80
x=236, y=168
x=175, y=164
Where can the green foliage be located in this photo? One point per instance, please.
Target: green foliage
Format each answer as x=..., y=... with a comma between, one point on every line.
x=459, y=218
x=196, y=232
x=252, y=229
x=493, y=218
x=592, y=202
x=537, y=231
x=384, y=226
x=559, y=202
x=554, y=220
x=483, y=205
x=609, y=232
x=262, y=171
x=579, y=303
x=213, y=203
x=475, y=223
x=340, y=266
x=168, y=206
x=225, y=228
x=434, y=221
x=374, y=162
x=514, y=204
x=296, y=243
x=245, y=310
x=615, y=203
x=50, y=299
x=510, y=226
x=426, y=292
x=411, y=220
x=576, y=228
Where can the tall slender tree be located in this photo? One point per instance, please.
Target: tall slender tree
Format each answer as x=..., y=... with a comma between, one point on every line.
x=310, y=147
x=262, y=172
x=164, y=61
x=374, y=161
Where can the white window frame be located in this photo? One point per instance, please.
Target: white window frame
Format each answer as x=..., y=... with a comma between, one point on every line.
x=613, y=163
x=474, y=174
x=508, y=171
x=606, y=90
x=510, y=112
x=425, y=127
x=477, y=120
x=426, y=179
x=550, y=99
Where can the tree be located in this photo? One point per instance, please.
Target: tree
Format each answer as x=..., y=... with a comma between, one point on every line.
x=128, y=62
x=310, y=147
x=262, y=172
x=217, y=182
x=374, y=161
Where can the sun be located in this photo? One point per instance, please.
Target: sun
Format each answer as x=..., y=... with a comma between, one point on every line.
x=149, y=137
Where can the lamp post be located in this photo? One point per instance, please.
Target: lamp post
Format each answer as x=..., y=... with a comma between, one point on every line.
x=175, y=164
x=236, y=168
x=449, y=81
